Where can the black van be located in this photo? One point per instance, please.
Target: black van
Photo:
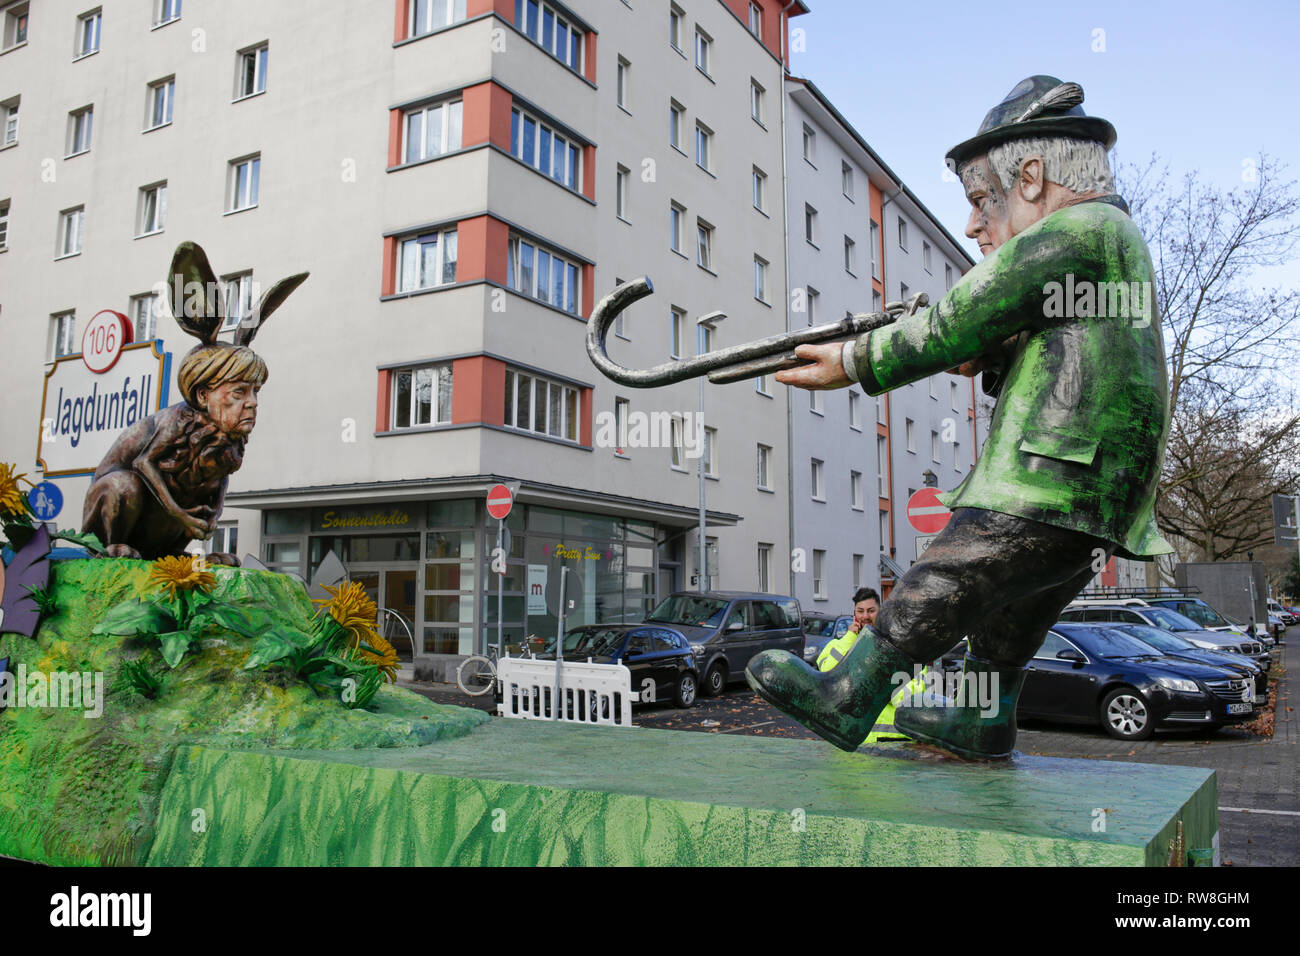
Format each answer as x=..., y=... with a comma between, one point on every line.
x=727, y=628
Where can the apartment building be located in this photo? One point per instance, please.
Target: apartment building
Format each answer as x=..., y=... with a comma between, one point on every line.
x=464, y=179
x=860, y=239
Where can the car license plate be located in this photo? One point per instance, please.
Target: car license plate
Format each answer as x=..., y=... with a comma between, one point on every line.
x=1242, y=708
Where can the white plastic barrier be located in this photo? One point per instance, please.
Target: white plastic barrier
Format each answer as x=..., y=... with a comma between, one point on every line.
x=592, y=693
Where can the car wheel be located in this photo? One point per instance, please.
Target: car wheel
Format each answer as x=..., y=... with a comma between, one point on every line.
x=685, y=693
x=715, y=680
x=1126, y=715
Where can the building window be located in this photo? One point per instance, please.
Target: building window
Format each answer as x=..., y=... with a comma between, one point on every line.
x=876, y=304
x=819, y=574
x=953, y=387
x=846, y=179
x=64, y=328
x=624, y=67
x=542, y=24
x=765, y=467
x=880, y=411
x=761, y=385
x=427, y=261
x=909, y=433
x=818, y=491
x=238, y=293
x=810, y=224
x=947, y=276
x=421, y=396
x=432, y=130
x=815, y=402
x=678, y=445
x=706, y=338
x=857, y=571
x=541, y=147
x=884, y=530
x=882, y=462
x=620, y=193
x=621, y=409
x=165, y=11
x=9, y=112
x=144, y=316
x=765, y=568
x=710, y=457
x=814, y=306
x=903, y=290
x=245, y=180
x=153, y=209
x=760, y=190
x=704, y=244
x=809, y=145
x=875, y=250
x=756, y=104
x=79, y=124
x=430, y=15
x=4, y=224
x=71, y=224
x=934, y=387
x=675, y=113
x=855, y=489
x=855, y=412
x=756, y=20
x=250, y=71
x=935, y=452
x=676, y=216
x=88, y=33
x=902, y=234
x=703, y=51
x=675, y=28
x=15, y=25
x=760, y=279
x=546, y=276
x=543, y=406
x=850, y=256
x=162, y=96
x=619, y=328
x=956, y=456
x=703, y=147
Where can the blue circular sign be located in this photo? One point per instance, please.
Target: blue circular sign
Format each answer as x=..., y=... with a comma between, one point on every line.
x=46, y=500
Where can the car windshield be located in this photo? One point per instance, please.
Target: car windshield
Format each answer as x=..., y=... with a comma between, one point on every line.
x=1162, y=640
x=594, y=642
x=842, y=626
x=689, y=609
x=816, y=626
x=1109, y=642
x=1171, y=620
x=1204, y=615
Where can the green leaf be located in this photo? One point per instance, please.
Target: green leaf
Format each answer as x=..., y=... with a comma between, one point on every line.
x=314, y=665
x=136, y=617
x=174, y=646
x=87, y=539
x=269, y=649
x=231, y=618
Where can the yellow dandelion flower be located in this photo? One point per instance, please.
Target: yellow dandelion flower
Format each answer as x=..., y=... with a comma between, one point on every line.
x=356, y=613
x=182, y=573
x=12, y=499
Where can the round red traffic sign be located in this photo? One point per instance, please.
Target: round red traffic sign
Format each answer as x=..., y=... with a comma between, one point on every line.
x=499, y=501
x=925, y=512
x=102, y=342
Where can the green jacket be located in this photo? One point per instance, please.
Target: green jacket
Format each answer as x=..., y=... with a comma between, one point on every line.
x=1079, y=430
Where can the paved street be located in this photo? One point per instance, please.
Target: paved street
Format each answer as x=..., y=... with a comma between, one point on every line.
x=1259, y=777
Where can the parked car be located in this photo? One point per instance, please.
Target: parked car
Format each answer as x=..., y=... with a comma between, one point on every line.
x=1285, y=615
x=1096, y=674
x=727, y=628
x=1172, y=621
x=820, y=628
x=1179, y=648
x=1203, y=614
x=660, y=658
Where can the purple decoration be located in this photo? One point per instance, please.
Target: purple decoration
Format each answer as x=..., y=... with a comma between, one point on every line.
x=30, y=568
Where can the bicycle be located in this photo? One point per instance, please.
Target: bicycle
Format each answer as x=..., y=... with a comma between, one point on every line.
x=477, y=674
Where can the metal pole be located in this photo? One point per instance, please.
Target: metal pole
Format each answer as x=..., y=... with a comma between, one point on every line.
x=501, y=524
x=556, y=701
x=1295, y=505
x=704, y=438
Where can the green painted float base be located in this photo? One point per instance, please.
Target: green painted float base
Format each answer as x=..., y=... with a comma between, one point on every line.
x=526, y=793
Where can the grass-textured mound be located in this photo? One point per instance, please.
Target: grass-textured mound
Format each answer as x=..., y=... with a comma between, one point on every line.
x=84, y=790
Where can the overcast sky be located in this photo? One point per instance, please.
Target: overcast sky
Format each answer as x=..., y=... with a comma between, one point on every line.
x=1206, y=85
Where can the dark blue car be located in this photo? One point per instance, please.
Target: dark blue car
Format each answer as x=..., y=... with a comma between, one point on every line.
x=1179, y=648
x=660, y=658
x=1096, y=674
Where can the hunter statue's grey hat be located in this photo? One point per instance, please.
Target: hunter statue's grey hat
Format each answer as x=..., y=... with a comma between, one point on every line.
x=1037, y=106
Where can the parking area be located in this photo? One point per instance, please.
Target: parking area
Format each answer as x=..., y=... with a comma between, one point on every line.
x=1258, y=776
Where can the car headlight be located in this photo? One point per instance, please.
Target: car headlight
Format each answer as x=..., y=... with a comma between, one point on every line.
x=697, y=650
x=1179, y=684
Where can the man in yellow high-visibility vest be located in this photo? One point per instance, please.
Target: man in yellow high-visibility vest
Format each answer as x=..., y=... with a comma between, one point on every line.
x=866, y=605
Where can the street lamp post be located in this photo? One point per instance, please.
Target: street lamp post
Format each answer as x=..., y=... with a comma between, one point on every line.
x=704, y=322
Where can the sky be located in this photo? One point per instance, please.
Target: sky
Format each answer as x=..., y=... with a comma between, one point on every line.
x=1206, y=86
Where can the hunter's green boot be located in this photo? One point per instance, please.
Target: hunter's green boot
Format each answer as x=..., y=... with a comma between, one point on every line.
x=840, y=704
x=962, y=725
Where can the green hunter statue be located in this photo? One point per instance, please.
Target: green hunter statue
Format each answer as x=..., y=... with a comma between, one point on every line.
x=1060, y=319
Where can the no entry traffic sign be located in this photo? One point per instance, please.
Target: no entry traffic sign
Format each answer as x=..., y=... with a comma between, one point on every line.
x=499, y=501
x=925, y=512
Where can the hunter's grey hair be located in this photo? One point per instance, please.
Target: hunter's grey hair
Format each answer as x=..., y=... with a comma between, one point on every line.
x=1080, y=165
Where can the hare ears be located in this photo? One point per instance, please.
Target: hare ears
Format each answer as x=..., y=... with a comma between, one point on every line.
x=196, y=303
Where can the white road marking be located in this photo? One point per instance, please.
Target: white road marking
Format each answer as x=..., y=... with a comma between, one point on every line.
x=1279, y=813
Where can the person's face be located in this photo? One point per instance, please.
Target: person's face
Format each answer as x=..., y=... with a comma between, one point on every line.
x=232, y=407
x=990, y=214
x=864, y=612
